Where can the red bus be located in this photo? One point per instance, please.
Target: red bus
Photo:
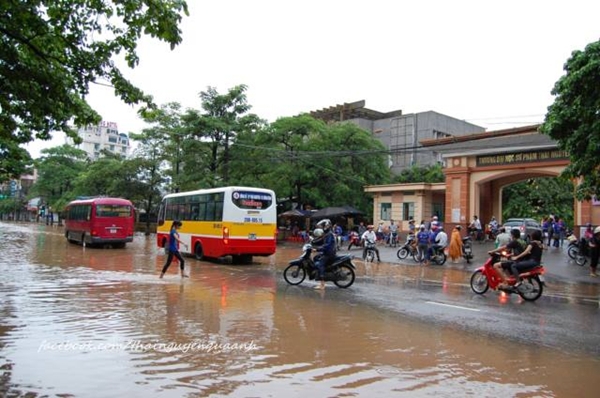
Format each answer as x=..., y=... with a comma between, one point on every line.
x=100, y=221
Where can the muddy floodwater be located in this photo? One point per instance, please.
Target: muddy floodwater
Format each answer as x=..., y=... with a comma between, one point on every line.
x=88, y=322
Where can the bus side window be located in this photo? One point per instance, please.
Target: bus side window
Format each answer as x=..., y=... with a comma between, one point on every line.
x=210, y=211
x=195, y=212
x=202, y=212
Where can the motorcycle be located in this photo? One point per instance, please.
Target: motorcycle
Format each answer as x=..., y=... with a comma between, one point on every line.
x=369, y=254
x=340, y=271
x=467, y=248
x=530, y=289
x=392, y=240
x=409, y=247
x=353, y=239
x=438, y=256
x=577, y=249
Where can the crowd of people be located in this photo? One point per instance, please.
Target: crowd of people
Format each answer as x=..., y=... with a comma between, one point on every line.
x=429, y=235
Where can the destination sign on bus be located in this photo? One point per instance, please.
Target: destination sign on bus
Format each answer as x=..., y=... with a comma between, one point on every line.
x=251, y=200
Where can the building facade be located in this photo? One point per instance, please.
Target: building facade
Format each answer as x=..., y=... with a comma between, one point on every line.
x=104, y=136
x=477, y=168
x=401, y=133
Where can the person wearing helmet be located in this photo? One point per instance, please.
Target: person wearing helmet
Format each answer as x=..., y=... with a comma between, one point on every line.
x=594, y=244
x=440, y=240
x=327, y=248
x=371, y=237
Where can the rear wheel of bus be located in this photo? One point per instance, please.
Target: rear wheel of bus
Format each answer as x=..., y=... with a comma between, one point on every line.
x=198, y=251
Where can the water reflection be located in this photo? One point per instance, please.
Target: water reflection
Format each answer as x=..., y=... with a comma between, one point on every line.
x=95, y=322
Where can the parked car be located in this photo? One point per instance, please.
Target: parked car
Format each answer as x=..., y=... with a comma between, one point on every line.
x=525, y=225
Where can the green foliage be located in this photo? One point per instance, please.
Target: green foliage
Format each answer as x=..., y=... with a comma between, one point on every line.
x=206, y=145
x=304, y=159
x=14, y=160
x=58, y=167
x=429, y=174
x=108, y=176
x=539, y=197
x=162, y=145
x=574, y=120
x=51, y=51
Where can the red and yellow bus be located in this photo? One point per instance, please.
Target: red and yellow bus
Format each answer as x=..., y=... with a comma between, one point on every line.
x=100, y=221
x=228, y=221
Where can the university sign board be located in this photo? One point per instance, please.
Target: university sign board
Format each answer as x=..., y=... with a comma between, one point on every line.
x=522, y=157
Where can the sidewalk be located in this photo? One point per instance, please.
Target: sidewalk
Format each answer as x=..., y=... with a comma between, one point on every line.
x=560, y=268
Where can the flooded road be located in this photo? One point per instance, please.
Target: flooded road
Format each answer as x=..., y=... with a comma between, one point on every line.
x=89, y=322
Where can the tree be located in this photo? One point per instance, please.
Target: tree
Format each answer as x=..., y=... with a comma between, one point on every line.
x=164, y=142
x=308, y=161
x=110, y=175
x=57, y=168
x=213, y=131
x=539, y=197
x=574, y=118
x=51, y=51
x=417, y=173
x=14, y=160
x=148, y=159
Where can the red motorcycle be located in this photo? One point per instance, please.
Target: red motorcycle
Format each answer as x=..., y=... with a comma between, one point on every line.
x=530, y=289
x=353, y=239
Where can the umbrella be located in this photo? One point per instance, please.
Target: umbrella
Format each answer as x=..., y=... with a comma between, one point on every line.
x=336, y=211
x=294, y=213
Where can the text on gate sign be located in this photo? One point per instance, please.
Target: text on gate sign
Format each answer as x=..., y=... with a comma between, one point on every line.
x=521, y=157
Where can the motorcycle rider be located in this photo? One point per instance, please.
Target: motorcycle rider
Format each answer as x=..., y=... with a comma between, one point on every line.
x=370, y=237
x=493, y=224
x=327, y=247
x=475, y=228
x=516, y=246
x=393, y=233
x=440, y=241
x=530, y=258
x=502, y=238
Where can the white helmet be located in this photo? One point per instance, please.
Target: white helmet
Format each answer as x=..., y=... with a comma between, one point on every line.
x=318, y=232
x=324, y=224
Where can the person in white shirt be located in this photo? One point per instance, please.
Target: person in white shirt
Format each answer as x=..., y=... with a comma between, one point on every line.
x=475, y=228
x=441, y=240
x=369, y=237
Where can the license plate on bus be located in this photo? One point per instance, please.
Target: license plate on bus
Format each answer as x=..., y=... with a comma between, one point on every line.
x=112, y=230
x=251, y=236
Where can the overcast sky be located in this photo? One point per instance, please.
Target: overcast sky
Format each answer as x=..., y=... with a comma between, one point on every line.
x=492, y=63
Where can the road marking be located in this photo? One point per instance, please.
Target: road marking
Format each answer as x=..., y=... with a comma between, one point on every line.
x=453, y=306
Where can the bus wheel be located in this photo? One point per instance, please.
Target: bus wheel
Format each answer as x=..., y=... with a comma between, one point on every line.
x=198, y=252
x=68, y=236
